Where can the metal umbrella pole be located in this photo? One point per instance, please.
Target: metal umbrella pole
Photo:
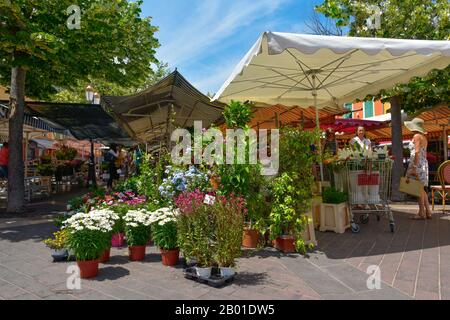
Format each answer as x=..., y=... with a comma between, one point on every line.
x=317, y=124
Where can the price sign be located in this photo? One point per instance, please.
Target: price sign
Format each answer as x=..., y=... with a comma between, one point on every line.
x=209, y=199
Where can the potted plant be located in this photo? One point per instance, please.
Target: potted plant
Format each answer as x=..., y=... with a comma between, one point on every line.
x=137, y=231
x=118, y=234
x=164, y=232
x=194, y=233
x=228, y=213
x=334, y=215
x=58, y=245
x=89, y=236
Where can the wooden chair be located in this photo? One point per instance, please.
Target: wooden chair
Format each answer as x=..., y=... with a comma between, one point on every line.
x=443, y=174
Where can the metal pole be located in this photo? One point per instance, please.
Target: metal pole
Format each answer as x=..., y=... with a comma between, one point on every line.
x=91, y=173
x=317, y=124
x=445, y=140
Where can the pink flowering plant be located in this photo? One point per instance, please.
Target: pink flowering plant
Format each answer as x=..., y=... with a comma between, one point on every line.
x=188, y=201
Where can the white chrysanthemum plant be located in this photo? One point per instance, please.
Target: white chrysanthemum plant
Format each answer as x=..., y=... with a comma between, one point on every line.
x=164, y=228
x=164, y=215
x=90, y=233
x=137, y=227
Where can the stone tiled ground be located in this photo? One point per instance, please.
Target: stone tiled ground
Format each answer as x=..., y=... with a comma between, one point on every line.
x=414, y=263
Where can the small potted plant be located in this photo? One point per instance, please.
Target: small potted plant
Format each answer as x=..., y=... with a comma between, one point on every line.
x=137, y=231
x=164, y=232
x=228, y=215
x=334, y=215
x=89, y=236
x=118, y=234
x=58, y=245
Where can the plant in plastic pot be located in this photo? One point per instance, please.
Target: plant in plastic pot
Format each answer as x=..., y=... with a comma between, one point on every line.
x=228, y=213
x=195, y=229
x=89, y=235
x=137, y=232
x=164, y=232
x=58, y=245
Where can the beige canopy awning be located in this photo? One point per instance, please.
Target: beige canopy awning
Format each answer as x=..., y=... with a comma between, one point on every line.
x=311, y=70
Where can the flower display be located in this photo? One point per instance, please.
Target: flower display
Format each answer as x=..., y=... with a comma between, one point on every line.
x=179, y=181
x=187, y=201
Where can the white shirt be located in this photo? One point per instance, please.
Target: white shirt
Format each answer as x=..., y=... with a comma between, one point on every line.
x=364, y=143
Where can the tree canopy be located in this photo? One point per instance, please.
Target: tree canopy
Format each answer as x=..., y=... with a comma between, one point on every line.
x=113, y=44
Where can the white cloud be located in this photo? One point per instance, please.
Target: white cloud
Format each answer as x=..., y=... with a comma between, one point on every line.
x=210, y=24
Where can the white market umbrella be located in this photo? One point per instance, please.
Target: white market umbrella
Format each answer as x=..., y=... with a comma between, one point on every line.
x=297, y=69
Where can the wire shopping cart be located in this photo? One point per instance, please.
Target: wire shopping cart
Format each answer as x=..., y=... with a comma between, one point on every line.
x=369, y=190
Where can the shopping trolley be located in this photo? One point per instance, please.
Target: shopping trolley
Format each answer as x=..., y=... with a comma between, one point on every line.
x=369, y=189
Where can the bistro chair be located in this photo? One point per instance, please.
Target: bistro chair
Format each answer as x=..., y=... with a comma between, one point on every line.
x=443, y=174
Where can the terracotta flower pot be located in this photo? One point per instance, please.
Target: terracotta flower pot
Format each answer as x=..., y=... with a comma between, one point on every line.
x=250, y=238
x=106, y=255
x=214, y=183
x=170, y=257
x=88, y=268
x=117, y=240
x=285, y=244
x=136, y=253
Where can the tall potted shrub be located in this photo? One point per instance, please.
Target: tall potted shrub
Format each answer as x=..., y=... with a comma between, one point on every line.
x=228, y=214
x=291, y=190
x=194, y=234
x=137, y=231
x=164, y=232
x=89, y=236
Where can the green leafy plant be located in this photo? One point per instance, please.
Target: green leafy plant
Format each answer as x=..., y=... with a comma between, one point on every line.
x=46, y=169
x=165, y=236
x=291, y=191
x=194, y=232
x=333, y=196
x=237, y=114
x=228, y=213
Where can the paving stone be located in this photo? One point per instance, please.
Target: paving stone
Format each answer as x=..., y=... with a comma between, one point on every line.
x=317, y=279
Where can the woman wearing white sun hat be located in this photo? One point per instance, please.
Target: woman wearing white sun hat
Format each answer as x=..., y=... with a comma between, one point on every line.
x=418, y=164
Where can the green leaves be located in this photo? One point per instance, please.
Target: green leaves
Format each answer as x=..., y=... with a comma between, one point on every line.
x=237, y=114
x=58, y=56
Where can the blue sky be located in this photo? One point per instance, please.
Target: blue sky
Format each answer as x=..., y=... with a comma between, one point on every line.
x=205, y=39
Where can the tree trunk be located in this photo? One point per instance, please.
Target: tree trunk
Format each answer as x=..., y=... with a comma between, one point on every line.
x=397, y=148
x=16, y=187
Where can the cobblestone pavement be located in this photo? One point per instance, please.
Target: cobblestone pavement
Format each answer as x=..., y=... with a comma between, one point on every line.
x=414, y=263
